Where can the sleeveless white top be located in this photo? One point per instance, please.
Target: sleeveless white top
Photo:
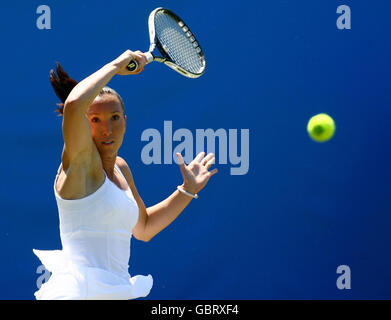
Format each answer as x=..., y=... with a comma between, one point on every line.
x=96, y=235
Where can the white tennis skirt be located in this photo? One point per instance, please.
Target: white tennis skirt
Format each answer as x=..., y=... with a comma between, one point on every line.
x=75, y=282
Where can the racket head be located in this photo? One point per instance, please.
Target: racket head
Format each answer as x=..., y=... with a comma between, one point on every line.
x=178, y=47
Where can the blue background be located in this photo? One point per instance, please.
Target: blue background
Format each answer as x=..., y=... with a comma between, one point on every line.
x=278, y=232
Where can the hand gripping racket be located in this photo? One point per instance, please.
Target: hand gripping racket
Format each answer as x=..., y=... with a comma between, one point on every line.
x=176, y=45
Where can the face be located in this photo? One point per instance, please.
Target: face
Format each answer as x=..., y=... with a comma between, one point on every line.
x=108, y=123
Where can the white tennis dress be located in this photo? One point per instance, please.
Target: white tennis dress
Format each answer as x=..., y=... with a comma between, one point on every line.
x=95, y=234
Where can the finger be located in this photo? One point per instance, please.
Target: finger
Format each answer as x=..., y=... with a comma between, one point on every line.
x=142, y=61
x=199, y=156
x=140, y=54
x=207, y=158
x=210, y=162
x=141, y=58
x=214, y=171
x=140, y=66
x=181, y=163
x=139, y=69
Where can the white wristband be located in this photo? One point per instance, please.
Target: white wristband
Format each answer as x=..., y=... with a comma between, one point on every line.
x=195, y=196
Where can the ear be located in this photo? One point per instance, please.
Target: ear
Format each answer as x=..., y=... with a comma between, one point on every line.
x=125, y=120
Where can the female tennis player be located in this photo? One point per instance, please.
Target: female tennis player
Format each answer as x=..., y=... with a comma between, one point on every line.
x=98, y=203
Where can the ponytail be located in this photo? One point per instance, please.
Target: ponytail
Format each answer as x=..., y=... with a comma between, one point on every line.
x=62, y=85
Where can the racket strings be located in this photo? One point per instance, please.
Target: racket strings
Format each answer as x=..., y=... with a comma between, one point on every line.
x=177, y=44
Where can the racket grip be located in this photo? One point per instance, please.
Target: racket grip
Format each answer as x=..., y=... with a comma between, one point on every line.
x=132, y=66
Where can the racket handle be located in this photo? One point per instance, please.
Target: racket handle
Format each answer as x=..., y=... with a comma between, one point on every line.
x=133, y=65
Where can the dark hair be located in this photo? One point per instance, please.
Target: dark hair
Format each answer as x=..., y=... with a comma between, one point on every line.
x=63, y=84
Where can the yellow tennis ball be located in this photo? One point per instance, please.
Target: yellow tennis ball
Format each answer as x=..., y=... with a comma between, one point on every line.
x=321, y=127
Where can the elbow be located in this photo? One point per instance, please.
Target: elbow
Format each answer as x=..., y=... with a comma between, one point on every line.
x=74, y=106
x=69, y=104
x=142, y=231
x=74, y=100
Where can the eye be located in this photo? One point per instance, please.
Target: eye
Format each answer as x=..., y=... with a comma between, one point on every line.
x=94, y=119
x=116, y=117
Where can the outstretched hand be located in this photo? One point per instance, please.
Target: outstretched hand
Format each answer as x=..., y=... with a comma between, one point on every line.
x=196, y=174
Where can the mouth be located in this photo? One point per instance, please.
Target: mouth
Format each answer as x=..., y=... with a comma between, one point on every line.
x=106, y=143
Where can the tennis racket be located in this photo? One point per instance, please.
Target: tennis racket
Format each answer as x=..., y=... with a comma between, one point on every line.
x=174, y=44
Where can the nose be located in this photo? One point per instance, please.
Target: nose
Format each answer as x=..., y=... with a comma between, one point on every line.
x=106, y=129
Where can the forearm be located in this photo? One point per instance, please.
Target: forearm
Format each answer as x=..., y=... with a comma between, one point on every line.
x=162, y=214
x=84, y=93
x=195, y=176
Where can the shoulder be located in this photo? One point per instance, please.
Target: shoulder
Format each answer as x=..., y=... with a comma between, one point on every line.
x=121, y=163
x=124, y=167
x=119, y=160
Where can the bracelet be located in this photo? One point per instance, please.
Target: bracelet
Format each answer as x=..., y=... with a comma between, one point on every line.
x=195, y=196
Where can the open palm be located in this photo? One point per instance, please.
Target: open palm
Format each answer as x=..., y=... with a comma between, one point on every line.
x=196, y=174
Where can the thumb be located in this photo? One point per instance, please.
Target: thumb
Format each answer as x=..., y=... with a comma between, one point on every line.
x=181, y=163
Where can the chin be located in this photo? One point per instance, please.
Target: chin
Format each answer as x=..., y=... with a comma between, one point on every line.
x=108, y=149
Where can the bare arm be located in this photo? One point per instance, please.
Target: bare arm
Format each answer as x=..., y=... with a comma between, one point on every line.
x=154, y=219
x=163, y=213
x=76, y=128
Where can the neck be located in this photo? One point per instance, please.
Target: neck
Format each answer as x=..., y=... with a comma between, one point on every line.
x=108, y=162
